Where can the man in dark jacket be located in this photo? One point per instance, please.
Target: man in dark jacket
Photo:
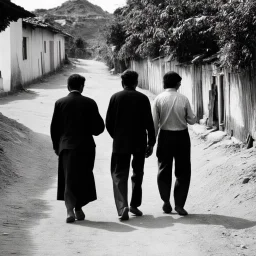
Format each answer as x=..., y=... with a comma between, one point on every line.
x=129, y=122
x=75, y=120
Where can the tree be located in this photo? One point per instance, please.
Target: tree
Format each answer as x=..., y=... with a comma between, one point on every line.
x=115, y=34
x=78, y=49
x=154, y=27
x=185, y=29
x=237, y=34
x=80, y=43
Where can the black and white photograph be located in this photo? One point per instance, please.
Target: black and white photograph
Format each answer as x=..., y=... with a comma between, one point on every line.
x=128, y=127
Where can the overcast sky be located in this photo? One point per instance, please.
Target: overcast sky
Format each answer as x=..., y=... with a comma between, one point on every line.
x=31, y=5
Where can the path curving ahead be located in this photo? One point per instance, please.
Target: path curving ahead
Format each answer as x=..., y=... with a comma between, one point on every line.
x=47, y=234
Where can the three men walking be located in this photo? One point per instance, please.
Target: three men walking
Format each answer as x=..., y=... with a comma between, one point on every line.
x=130, y=123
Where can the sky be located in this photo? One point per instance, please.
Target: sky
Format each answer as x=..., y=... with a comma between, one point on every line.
x=31, y=5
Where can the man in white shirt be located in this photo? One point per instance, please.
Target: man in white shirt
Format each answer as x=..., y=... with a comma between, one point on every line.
x=171, y=113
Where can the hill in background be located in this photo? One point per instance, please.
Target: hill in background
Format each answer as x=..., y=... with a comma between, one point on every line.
x=79, y=18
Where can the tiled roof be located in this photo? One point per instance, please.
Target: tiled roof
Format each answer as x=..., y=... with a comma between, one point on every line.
x=37, y=22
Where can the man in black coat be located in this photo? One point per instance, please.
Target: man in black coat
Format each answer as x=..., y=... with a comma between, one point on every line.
x=75, y=120
x=129, y=122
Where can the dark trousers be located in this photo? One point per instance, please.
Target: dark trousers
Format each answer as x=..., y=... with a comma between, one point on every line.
x=76, y=183
x=120, y=165
x=174, y=145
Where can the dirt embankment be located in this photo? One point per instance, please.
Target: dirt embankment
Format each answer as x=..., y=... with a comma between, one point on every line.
x=225, y=173
x=27, y=167
x=12, y=136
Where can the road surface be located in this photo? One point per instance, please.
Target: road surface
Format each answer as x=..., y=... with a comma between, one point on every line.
x=36, y=226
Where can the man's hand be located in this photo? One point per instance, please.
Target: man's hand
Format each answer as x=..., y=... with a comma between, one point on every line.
x=149, y=151
x=56, y=152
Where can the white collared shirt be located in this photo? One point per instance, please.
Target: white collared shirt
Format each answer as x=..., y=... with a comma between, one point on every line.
x=75, y=91
x=172, y=111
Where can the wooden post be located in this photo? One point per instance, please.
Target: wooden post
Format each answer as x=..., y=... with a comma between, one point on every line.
x=211, y=108
x=1, y=82
x=220, y=103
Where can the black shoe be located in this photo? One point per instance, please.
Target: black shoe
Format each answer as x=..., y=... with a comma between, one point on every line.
x=135, y=211
x=125, y=214
x=181, y=211
x=80, y=215
x=70, y=216
x=167, y=208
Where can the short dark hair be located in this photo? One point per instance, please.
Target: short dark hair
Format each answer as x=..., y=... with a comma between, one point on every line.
x=171, y=79
x=129, y=78
x=75, y=81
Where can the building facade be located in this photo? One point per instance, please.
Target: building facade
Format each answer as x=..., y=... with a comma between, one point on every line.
x=29, y=49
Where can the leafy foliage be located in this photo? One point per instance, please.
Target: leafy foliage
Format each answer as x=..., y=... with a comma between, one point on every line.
x=185, y=29
x=104, y=53
x=237, y=34
x=115, y=34
x=78, y=49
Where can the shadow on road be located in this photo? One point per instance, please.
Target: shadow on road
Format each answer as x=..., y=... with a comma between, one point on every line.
x=109, y=226
x=21, y=95
x=149, y=221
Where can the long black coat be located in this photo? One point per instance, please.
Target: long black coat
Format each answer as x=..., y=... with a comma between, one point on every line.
x=75, y=120
x=129, y=122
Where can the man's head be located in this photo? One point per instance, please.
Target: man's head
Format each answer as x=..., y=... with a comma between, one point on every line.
x=129, y=79
x=171, y=80
x=76, y=82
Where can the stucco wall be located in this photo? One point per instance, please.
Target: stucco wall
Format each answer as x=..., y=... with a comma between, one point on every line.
x=5, y=60
x=16, y=54
x=16, y=71
x=38, y=61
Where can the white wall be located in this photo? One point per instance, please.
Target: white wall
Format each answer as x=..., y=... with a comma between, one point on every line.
x=5, y=60
x=16, y=54
x=38, y=62
x=11, y=56
x=16, y=71
x=32, y=67
x=1, y=84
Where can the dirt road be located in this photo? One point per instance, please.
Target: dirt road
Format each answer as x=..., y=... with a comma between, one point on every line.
x=33, y=222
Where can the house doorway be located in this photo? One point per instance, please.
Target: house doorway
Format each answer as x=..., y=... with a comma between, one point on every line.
x=213, y=104
x=60, y=51
x=42, y=64
x=51, y=55
x=216, y=103
x=221, y=102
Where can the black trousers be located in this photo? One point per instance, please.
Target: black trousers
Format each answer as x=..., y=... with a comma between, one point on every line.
x=76, y=185
x=174, y=145
x=120, y=165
